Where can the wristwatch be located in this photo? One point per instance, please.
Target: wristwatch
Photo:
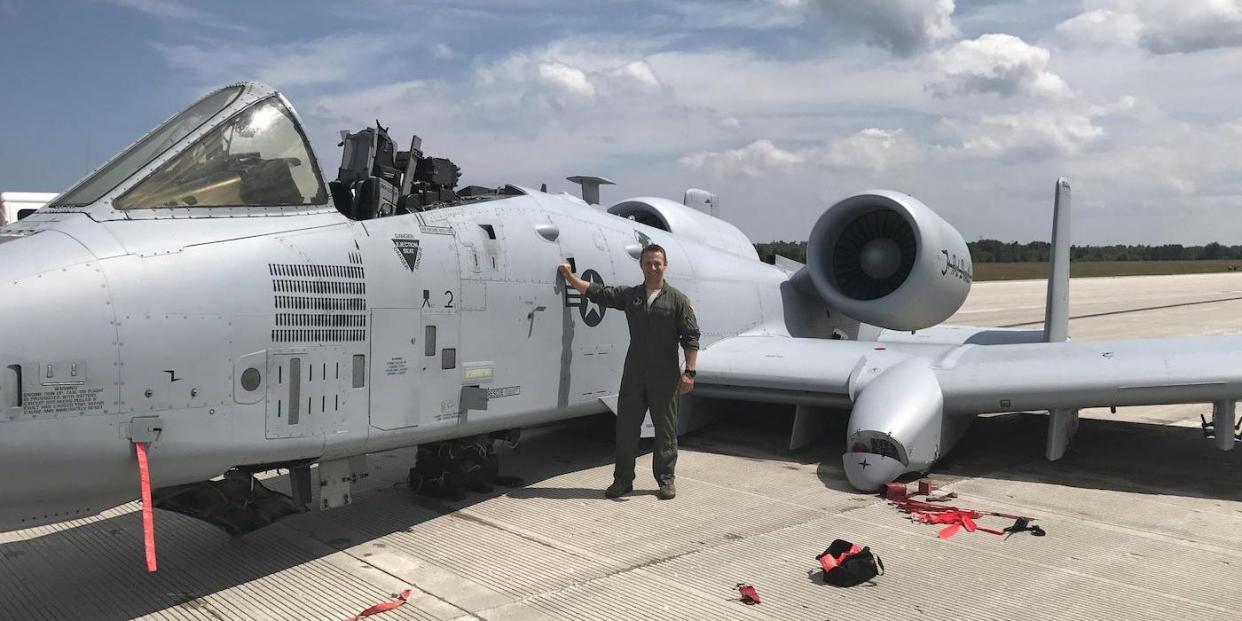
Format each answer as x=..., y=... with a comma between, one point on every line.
x=691, y=373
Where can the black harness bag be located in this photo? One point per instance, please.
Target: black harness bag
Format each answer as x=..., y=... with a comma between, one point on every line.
x=846, y=565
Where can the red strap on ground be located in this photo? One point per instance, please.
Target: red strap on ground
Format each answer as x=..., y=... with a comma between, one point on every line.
x=384, y=606
x=750, y=596
x=829, y=562
x=930, y=513
x=148, y=517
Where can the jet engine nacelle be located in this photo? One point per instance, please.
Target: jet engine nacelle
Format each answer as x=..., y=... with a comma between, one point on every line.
x=686, y=222
x=886, y=259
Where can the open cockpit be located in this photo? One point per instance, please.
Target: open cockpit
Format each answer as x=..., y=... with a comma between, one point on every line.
x=376, y=180
x=241, y=151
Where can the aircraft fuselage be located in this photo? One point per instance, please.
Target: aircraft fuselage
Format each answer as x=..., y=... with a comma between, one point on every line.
x=313, y=337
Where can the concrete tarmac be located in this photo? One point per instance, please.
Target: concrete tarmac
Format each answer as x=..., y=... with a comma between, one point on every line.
x=1144, y=520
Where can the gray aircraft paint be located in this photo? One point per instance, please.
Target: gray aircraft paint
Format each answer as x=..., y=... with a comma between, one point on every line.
x=123, y=322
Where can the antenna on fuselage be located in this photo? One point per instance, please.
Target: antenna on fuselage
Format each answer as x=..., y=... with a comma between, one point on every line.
x=703, y=201
x=590, y=187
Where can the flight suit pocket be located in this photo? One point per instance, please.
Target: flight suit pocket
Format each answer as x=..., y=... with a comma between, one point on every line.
x=661, y=312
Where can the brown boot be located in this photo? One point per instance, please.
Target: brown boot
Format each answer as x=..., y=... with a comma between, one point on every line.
x=667, y=492
x=618, y=489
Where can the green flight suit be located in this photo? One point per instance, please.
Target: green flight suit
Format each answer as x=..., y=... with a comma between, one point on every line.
x=652, y=372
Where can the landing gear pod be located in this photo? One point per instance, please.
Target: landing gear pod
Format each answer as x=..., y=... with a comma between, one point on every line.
x=898, y=426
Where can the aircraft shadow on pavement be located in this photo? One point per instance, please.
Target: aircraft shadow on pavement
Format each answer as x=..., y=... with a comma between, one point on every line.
x=100, y=558
x=100, y=563
x=1126, y=456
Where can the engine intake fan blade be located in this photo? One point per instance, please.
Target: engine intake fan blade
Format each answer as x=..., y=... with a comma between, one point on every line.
x=874, y=255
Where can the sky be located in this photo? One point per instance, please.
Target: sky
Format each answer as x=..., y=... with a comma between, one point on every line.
x=780, y=107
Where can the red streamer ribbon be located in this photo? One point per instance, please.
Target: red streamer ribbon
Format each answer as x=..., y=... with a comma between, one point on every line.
x=384, y=606
x=148, y=517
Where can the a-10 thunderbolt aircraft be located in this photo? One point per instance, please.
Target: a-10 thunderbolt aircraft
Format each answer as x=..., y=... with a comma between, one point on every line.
x=207, y=299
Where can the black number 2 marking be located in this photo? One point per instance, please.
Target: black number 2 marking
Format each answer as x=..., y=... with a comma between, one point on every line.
x=450, y=297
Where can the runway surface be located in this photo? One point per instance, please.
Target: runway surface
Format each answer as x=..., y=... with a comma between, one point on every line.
x=1144, y=520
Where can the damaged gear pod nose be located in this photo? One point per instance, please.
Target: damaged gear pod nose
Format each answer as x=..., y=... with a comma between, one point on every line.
x=869, y=471
x=897, y=426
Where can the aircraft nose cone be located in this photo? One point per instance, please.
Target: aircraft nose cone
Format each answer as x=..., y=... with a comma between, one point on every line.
x=867, y=472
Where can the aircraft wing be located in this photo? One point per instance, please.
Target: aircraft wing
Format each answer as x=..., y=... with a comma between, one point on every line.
x=910, y=402
x=783, y=369
x=1044, y=376
x=975, y=379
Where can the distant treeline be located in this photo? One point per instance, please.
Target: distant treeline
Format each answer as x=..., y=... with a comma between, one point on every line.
x=993, y=251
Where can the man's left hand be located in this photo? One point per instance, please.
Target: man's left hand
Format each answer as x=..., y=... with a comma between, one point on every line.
x=686, y=384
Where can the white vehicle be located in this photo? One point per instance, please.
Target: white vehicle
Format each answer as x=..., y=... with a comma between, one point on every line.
x=207, y=297
x=17, y=205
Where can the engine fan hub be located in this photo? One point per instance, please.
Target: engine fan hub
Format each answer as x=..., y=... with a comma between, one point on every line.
x=880, y=258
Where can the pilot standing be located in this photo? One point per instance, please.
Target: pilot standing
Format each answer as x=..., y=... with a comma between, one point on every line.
x=660, y=317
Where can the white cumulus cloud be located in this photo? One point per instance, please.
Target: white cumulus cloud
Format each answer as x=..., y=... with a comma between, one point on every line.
x=1032, y=134
x=562, y=77
x=1102, y=27
x=1160, y=26
x=755, y=159
x=873, y=150
x=553, y=81
x=997, y=63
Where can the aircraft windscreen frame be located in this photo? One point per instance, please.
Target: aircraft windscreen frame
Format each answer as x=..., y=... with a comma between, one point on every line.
x=212, y=172
x=156, y=143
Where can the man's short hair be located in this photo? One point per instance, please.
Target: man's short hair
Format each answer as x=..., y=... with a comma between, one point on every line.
x=653, y=248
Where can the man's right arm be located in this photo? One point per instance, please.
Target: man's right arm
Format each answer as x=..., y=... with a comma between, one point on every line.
x=571, y=279
x=612, y=297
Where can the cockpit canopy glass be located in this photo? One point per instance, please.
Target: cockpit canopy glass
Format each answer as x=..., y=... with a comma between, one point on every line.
x=258, y=158
x=150, y=147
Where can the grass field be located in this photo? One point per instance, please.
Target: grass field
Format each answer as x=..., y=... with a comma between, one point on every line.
x=1088, y=269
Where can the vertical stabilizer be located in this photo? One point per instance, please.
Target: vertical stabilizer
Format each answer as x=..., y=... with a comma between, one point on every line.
x=1056, y=316
x=1062, y=423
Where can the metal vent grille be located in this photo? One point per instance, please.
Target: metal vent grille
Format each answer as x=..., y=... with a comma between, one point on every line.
x=316, y=271
x=332, y=307
x=318, y=336
x=321, y=321
x=307, y=302
x=319, y=286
